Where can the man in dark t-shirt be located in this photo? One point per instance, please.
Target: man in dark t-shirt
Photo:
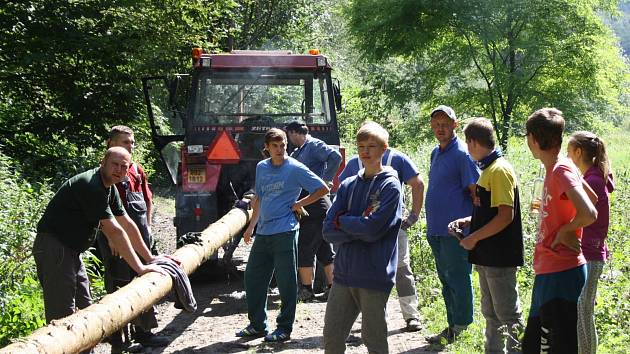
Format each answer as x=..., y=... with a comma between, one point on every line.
x=83, y=204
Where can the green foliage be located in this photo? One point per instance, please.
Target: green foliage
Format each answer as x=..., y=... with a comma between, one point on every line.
x=21, y=204
x=613, y=293
x=500, y=59
x=71, y=69
x=270, y=24
x=621, y=25
x=21, y=311
x=612, y=309
x=96, y=273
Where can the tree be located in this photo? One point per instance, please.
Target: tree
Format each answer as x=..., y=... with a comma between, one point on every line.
x=68, y=70
x=621, y=26
x=499, y=58
x=264, y=24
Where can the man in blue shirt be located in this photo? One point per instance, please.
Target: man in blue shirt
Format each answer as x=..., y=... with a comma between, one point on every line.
x=324, y=161
x=405, y=283
x=452, y=179
x=279, y=181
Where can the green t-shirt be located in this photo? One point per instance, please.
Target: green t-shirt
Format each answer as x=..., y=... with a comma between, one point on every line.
x=74, y=212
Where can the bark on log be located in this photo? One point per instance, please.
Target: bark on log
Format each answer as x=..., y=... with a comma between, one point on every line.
x=86, y=328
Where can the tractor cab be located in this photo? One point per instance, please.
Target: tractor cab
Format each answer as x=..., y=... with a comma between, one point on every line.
x=209, y=125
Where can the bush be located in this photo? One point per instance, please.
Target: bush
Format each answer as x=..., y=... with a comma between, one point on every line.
x=613, y=299
x=21, y=204
x=21, y=311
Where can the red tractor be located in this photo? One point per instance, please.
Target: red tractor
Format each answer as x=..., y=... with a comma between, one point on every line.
x=209, y=125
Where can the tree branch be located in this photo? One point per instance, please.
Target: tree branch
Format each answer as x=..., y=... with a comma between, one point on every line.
x=497, y=83
x=489, y=83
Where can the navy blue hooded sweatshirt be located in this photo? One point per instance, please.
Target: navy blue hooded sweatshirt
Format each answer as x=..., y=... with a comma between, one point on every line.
x=363, y=222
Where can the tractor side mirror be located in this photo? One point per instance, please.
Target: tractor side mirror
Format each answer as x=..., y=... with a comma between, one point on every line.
x=173, y=85
x=178, y=87
x=337, y=94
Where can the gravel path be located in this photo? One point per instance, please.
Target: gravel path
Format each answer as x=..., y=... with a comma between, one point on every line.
x=222, y=311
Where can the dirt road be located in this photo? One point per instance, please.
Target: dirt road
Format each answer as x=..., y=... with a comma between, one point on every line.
x=222, y=311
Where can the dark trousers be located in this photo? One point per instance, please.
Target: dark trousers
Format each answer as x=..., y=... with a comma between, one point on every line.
x=554, y=330
x=552, y=323
x=62, y=275
x=118, y=274
x=269, y=254
x=311, y=242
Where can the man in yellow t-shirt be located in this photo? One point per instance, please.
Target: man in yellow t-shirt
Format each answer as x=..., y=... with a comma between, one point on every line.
x=495, y=242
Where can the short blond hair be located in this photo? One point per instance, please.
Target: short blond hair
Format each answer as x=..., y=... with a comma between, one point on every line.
x=373, y=130
x=119, y=130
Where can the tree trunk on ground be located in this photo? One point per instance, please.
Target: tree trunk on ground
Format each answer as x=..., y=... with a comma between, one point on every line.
x=86, y=328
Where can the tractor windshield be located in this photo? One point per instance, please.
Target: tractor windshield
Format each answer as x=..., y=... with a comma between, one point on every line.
x=229, y=98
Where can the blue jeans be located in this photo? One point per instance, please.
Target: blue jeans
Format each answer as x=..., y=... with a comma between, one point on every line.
x=455, y=273
x=269, y=254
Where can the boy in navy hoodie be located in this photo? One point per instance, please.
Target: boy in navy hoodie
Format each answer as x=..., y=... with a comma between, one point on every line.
x=363, y=223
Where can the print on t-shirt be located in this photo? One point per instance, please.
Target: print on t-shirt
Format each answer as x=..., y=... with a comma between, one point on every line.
x=544, y=213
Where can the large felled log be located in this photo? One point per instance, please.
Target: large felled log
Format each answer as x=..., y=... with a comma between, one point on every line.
x=86, y=328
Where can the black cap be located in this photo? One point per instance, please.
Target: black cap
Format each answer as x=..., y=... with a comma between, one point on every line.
x=297, y=126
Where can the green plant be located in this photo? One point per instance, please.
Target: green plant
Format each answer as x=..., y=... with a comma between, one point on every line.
x=613, y=300
x=21, y=310
x=21, y=204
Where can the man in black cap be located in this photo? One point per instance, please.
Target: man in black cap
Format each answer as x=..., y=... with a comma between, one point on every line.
x=324, y=161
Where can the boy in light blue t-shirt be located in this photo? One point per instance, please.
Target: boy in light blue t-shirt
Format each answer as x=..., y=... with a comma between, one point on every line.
x=279, y=181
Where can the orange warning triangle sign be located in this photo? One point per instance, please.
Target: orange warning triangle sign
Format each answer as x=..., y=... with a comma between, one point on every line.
x=224, y=149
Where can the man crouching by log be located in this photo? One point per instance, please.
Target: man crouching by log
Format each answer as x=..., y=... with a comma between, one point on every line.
x=68, y=227
x=137, y=199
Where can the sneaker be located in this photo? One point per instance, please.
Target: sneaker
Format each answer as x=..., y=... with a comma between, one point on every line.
x=126, y=347
x=413, y=325
x=279, y=335
x=252, y=332
x=149, y=339
x=447, y=336
x=305, y=295
x=324, y=296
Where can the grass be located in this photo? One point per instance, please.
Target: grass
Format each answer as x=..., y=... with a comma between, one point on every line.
x=613, y=301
